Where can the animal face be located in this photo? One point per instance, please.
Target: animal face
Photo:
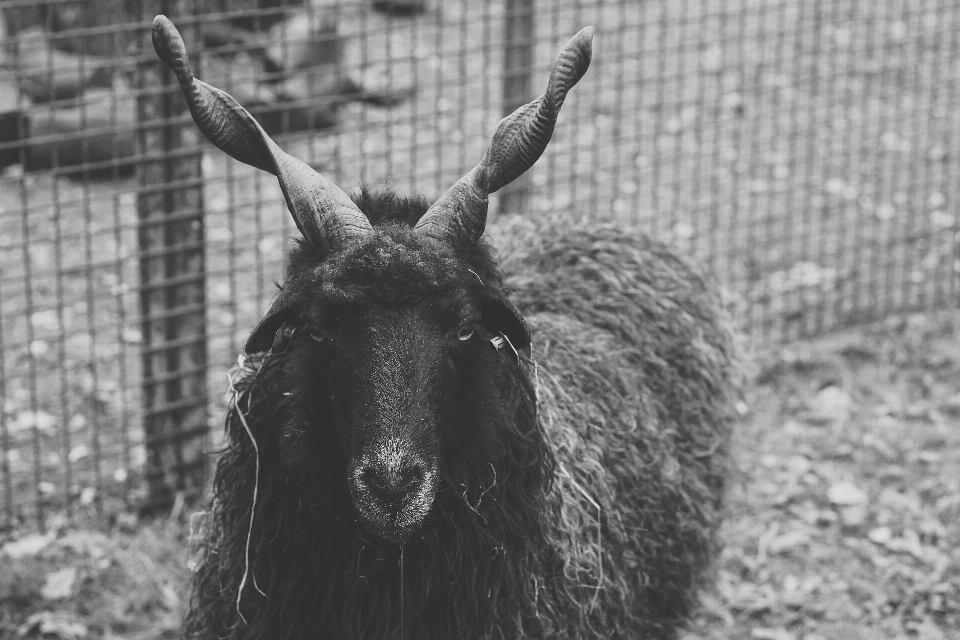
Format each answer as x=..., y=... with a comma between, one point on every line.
x=396, y=339
x=394, y=325
x=394, y=383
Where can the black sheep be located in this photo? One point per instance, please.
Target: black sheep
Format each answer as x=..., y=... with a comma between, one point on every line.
x=403, y=463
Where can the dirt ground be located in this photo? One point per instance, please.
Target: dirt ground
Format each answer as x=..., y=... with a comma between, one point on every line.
x=842, y=522
x=844, y=509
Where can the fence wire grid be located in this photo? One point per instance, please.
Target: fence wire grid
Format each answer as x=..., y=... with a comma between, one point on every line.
x=805, y=151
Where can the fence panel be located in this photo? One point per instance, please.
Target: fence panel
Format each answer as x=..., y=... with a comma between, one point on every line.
x=172, y=276
x=805, y=151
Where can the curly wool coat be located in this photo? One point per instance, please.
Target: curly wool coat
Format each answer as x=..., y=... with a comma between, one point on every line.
x=580, y=485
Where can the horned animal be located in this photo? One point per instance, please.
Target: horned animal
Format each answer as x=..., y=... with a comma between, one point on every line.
x=413, y=452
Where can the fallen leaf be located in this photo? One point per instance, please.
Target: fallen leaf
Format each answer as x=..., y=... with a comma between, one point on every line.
x=931, y=531
x=885, y=212
x=53, y=623
x=798, y=465
x=795, y=593
x=848, y=631
x=59, y=584
x=712, y=59
x=846, y=494
x=89, y=543
x=88, y=495
x=771, y=634
x=854, y=515
x=901, y=502
x=78, y=453
x=770, y=460
x=831, y=404
x=928, y=630
x=927, y=457
x=41, y=420
x=834, y=186
x=941, y=219
x=793, y=428
x=45, y=320
x=29, y=545
x=171, y=601
x=788, y=541
x=880, y=535
x=39, y=347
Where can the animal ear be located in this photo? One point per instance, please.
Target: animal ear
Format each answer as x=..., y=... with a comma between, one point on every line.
x=263, y=335
x=498, y=316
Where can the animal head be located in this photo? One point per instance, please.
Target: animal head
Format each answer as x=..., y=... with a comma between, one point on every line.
x=396, y=319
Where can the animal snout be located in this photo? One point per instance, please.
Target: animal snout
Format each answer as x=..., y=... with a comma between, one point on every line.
x=391, y=482
x=393, y=489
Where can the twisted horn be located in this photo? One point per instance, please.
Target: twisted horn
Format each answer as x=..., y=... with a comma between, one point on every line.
x=325, y=215
x=521, y=137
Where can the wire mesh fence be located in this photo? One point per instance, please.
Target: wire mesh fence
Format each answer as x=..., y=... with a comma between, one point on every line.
x=804, y=151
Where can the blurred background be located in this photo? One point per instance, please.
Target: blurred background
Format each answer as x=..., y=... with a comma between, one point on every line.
x=804, y=151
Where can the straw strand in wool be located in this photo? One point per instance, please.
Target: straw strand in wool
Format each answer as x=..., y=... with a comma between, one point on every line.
x=256, y=484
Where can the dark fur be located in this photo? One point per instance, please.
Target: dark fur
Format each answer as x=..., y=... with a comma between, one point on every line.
x=510, y=547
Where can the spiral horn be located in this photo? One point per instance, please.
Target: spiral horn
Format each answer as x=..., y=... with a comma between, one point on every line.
x=325, y=215
x=520, y=139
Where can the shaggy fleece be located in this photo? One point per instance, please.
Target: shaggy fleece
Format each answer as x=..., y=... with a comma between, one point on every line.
x=594, y=515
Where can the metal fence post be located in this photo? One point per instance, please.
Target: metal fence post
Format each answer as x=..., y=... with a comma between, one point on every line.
x=517, y=69
x=172, y=297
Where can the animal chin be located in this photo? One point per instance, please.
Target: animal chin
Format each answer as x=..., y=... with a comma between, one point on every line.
x=393, y=522
x=397, y=531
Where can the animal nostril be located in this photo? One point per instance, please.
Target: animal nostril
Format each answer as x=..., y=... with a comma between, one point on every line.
x=392, y=484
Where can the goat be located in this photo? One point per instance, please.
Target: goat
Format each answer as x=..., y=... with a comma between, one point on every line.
x=402, y=463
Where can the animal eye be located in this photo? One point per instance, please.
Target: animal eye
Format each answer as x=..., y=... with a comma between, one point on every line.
x=317, y=334
x=465, y=332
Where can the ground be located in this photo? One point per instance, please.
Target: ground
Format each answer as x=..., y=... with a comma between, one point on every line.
x=843, y=511
x=841, y=526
